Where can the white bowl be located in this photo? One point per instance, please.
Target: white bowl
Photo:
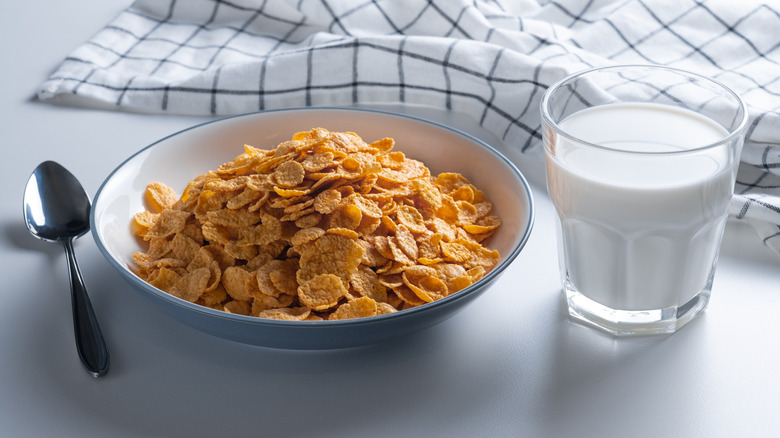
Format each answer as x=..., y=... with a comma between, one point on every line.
x=178, y=158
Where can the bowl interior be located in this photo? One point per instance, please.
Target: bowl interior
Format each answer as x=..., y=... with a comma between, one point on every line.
x=177, y=159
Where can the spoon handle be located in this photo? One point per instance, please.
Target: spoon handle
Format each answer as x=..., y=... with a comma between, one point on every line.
x=89, y=339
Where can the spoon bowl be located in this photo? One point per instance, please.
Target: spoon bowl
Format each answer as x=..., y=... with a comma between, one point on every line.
x=56, y=209
x=55, y=205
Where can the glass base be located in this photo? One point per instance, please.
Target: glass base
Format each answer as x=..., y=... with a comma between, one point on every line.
x=633, y=322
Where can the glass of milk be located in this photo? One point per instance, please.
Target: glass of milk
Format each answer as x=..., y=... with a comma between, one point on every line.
x=641, y=163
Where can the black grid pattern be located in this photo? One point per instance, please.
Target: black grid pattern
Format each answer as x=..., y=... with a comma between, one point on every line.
x=490, y=59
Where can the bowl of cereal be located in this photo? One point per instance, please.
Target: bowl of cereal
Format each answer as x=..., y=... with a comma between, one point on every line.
x=313, y=228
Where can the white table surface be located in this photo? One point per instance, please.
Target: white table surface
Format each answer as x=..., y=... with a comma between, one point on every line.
x=511, y=364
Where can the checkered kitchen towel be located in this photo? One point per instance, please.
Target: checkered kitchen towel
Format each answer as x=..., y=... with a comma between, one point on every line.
x=489, y=59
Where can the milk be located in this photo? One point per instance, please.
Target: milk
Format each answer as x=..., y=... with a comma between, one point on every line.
x=639, y=231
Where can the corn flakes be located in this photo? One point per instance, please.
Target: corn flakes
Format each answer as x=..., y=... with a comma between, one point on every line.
x=324, y=226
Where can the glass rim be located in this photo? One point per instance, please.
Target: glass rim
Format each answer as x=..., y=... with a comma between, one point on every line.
x=731, y=137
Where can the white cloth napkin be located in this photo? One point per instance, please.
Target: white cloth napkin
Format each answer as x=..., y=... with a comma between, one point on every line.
x=489, y=59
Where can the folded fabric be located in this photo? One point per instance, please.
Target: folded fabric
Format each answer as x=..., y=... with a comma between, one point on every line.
x=489, y=59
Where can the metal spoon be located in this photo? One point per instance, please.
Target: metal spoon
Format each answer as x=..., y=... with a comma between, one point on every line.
x=56, y=209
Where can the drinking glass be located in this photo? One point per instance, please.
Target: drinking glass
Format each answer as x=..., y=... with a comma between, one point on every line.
x=641, y=162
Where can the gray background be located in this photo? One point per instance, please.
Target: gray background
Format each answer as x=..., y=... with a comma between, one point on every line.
x=511, y=364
